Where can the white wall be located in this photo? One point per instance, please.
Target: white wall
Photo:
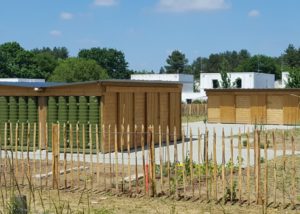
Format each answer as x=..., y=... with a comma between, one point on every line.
x=264, y=80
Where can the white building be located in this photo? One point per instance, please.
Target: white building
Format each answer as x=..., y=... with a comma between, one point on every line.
x=284, y=79
x=186, y=80
x=241, y=80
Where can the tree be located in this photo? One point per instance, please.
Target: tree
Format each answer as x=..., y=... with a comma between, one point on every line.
x=76, y=69
x=177, y=63
x=56, y=52
x=291, y=57
x=110, y=59
x=225, y=83
x=294, y=78
x=46, y=63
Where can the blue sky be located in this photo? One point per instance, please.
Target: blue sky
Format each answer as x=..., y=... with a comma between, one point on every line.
x=148, y=31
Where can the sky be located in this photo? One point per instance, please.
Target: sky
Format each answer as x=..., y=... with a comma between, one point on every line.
x=147, y=31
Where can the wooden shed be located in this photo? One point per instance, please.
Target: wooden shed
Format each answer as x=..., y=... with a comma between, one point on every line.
x=253, y=106
x=109, y=102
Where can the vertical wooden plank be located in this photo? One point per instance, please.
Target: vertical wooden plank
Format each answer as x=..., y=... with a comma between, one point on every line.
x=27, y=152
x=183, y=164
x=78, y=157
x=274, y=168
x=16, y=151
x=153, y=161
x=293, y=173
x=103, y=144
x=122, y=153
x=65, y=154
x=84, y=157
x=168, y=159
x=98, y=153
x=240, y=166
x=258, y=171
x=22, y=150
x=175, y=161
x=91, y=155
x=6, y=154
x=34, y=148
x=215, y=168
x=116, y=159
x=143, y=156
x=223, y=166
x=266, y=171
x=72, y=154
x=248, y=167
x=55, y=154
x=47, y=154
x=199, y=162
x=128, y=157
x=206, y=164
x=136, y=159
x=161, y=160
x=283, y=168
x=231, y=166
x=192, y=163
x=109, y=154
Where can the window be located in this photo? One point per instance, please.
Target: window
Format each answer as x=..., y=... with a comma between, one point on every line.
x=238, y=83
x=215, y=84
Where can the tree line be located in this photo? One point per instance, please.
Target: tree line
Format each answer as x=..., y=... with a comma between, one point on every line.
x=55, y=64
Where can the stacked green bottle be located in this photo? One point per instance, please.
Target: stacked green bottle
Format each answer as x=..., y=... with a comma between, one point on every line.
x=83, y=119
x=52, y=117
x=62, y=117
x=23, y=117
x=32, y=117
x=73, y=116
x=13, y=117
x=93, y=115
x=3, y=116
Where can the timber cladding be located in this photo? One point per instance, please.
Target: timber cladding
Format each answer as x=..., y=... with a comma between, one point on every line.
x=120, y=103
x=254, y=106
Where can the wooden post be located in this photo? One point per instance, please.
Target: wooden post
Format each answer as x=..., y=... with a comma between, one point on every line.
x=78, y=161
x=72, y=158
x=34, y=148
x=199, y=161
x=103, y=142
x=176, y=162
x=248, y=167
x=22, y=149
x=240, y=166
x=16, y=151
x=65, y=154
x=153, y=175
x=231, y=166
x=206, y=164
x=47, y=153
x=161, y=160
x=143, y=156
x=97, y=155
x=274, y=168
x=128, y=157
x=192, y=162
x=293, y=172
x=284, y=167
x=116, y=159
x=168, y=159
x=136, y=160
x=91, y=155
x=183, y=164
x=55, y=154
x=122, y=153
x=266, y=171
x=83, y=151
x=40, y=153
x=258, y=171
x=109, y=154
x=28, y=158
x=223, y=166
x=215, y=166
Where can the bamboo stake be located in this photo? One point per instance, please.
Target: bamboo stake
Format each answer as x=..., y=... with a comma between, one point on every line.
x=16, y=151
x=266, y=171
x=91, y=155
x=258, y=171
x=78, y=161
x=135, y=154
x=153, y=162
x=97, y=151
x=240, y=166
x=148, y=165
x=128, y=157
x=34, y=148
x=122, y=145
x=176, y=162
x=72, y=158
x=231, y=166
x=47, y=154
x=143, y=156
x=248, y=166
x=109, y=156
x=40, y=153
x=293, y=172
x=274, y=168
x=215, y=166
x=28, y=157
x=103, y=141
x=58, y=155
x=199, y=161
x=168, y=159
x=284, y=167
x=192, y=162
x=223, y=166
x=183, y=163
x=206, y=165
x=116, y=158
x=161, y=160
x=65, y=155
x=84, y=157
x=22, y=151
x=5, y=151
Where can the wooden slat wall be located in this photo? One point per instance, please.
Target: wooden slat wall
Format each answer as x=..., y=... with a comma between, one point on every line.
x=258, y=109
x=290, y=110
x=243, y=110
x=213, y=109
x=227, y=109
x=164, y=112
x=274, y=109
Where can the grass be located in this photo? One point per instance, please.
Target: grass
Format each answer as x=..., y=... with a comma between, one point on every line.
x=191, y=119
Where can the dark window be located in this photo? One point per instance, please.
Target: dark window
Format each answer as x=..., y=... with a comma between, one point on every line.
x=215, y=83
x=238, y=83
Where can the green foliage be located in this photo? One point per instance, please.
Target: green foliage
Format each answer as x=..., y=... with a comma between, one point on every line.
x=226, y=83
x=56, y=52
x=112, y=60
x=177, y=63
x=228, y=193
x=294, y=78
x=76, y=69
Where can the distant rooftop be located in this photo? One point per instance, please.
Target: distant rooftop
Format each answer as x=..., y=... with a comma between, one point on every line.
x=21, y=80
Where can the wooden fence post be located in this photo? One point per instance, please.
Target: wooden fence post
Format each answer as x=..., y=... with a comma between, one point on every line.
x=55, y=156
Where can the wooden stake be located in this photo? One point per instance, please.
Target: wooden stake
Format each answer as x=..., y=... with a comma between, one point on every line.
x=109, y=154
x=248, y=167
x=240, y=166
x=293, y=172
x=161, y=160
x=6, y=154
x=97, y=155
x=258, y=171
x=47, y=154
x=72, y=158
x=183, y=163
x=199, y=161
x=143, y=156
x=91, y=156
x=103, y=142
x=206, y=164
x=266, y=171
x=34, y=148
x=116, y=159
x=16, y=151
x=284, y=167
x=192, y=162
x=65, y=155
x=55, y=154
x=231, y=166
x=176, y=162
x=122, y=153
x=168, y=159
x=153, y=162
x=274, y=168
x=128, y=157
x=215, y=169
x=83, y=151
x=40, y=153
x=78, y=161
x=136, y=163
x=223, y=166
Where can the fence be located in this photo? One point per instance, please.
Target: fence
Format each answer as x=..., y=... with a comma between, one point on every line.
x=194, y=109
x=203, y=165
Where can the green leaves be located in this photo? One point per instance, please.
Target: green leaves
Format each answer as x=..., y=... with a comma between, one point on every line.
x=177, y=63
